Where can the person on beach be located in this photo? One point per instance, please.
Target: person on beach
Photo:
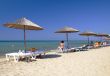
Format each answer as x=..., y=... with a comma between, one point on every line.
x=61, y=46
x=96, y=44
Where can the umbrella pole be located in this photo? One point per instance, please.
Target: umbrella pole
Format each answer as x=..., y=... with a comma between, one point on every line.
x=101, y=39
x=88, y=40
x=24, y=39
x=67, y=40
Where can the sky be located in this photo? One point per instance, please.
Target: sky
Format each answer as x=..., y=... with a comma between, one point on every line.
x=84, y=15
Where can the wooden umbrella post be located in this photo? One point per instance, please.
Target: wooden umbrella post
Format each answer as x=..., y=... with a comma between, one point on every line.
x=88, y=40
x=67, y=40
x=24, y=39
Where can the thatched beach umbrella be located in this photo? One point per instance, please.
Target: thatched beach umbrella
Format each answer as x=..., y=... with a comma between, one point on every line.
x=24, y=24
x=101, y=35
x=87, y=34
x=67, y=30
x=106, y=38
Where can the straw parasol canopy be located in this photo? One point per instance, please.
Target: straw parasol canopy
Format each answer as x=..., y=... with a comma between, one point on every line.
x=107, y=38
x=67, y=30
x=24, y=24
x=88, y=34
x=101, y=35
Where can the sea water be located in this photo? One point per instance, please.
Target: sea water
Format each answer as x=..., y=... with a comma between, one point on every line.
x=46, y=45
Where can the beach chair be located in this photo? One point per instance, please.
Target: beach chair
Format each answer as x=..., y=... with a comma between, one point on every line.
x=59, y=50
x=36, y=53
x=16, y=56
x=83, y=48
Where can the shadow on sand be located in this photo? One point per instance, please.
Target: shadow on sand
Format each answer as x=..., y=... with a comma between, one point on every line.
x=50, y=56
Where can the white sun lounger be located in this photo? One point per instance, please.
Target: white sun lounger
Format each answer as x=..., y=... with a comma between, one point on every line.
x=59, y=50
x=37, y=53
x=16, y=56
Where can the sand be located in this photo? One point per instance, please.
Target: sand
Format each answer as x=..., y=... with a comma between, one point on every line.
x=95, y=62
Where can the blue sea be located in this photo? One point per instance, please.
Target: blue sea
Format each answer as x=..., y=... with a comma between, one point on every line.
x=15, y=46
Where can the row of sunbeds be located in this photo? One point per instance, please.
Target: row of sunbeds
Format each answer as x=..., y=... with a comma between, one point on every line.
x=32, y=54
x=84, y=47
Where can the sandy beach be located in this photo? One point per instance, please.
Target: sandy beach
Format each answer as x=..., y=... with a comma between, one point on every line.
x=95, y=62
